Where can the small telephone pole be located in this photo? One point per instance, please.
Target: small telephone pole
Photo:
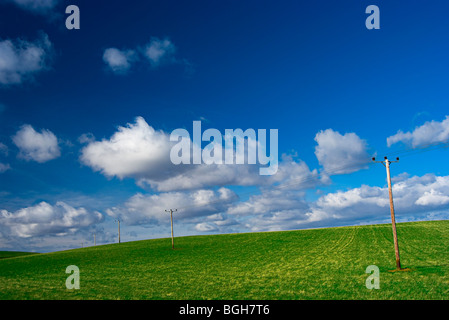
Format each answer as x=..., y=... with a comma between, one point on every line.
x=171, y=221
x=118, y=220
x=387, y=163
x=95, y=239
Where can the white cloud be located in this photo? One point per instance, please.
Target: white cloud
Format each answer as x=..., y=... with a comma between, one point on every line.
x=40, y=147
x=137, y=151
x=20, y=60
x=340, y=154
x=205, y=227
x=160, y=51
x=429, y=133
x=271, y=210
x=150, y=209
x=46, y=219
x=157, y=52
x=269, y=201
x=354, y=204
x=296, y=174
x=140, y=152
x=415, y=196
x=433, y=198
x=119, y=61
x=86, y=138
x=220, y=210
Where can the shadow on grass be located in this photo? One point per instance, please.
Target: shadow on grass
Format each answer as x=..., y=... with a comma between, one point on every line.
x=432, y=268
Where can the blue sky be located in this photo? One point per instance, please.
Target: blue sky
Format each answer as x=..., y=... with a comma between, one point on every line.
x=85, y=116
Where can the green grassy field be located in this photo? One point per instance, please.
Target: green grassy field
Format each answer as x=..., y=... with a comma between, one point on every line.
x=305, y=264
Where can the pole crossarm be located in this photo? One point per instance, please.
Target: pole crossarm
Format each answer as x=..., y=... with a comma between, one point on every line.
x=384, y=162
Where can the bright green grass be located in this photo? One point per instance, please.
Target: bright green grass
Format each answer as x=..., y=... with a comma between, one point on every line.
x=306, y=264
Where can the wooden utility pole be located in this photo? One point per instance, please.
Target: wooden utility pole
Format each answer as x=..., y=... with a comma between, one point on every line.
x=171, y=221
x=95, y=239
x=118, y=220
x=387, y=163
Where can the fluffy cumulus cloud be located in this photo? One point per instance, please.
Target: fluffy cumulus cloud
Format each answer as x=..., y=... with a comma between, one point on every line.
x=140, y=152
x=281, y=200
x=20, y=60
x=136, y=150
x=433, y=198
x=150, y=209
x=119, y=61
x=340, y=154
x=46, y=219
x=429, y=133
x=157, y=52
x=37, y=146
x=414, y=197
x=271, y=210
x=296, y=174
x=160, y=51
x=278, y=207
x=191, y=177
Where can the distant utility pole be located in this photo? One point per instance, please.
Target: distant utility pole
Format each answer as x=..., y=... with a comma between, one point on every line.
x=118, y=220
x=171, y=221
x=387, y=163
x=95, y=239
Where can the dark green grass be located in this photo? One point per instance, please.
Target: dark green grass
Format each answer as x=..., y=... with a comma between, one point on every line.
x=305, y=264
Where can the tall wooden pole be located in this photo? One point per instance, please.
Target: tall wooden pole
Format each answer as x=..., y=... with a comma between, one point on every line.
x=387, y=163
x=171, y=222
x=118, y=220
x=393, y=220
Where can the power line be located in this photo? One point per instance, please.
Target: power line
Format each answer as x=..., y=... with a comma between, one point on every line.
x=423, y=148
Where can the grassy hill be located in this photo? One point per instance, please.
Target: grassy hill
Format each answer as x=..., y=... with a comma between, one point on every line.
x=305, y=264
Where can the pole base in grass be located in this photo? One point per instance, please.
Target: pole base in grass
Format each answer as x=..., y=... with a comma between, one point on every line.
x=401, y=270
